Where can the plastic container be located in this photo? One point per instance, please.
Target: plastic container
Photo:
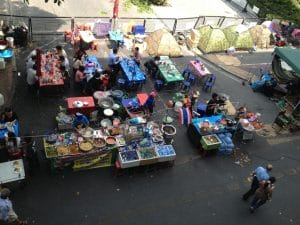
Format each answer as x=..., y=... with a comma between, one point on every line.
x=10, y=41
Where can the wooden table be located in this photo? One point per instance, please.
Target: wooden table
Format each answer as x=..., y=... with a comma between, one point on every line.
x=86, y=109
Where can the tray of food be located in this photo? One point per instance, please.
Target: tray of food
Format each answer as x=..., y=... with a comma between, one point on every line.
x=85, y=146
x=99, y=142
x=62, y=150
x=209, y=142
x=50, y=152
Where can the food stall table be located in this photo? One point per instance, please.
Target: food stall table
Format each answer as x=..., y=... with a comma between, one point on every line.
x=195, y=133
x=50, y=77
x=197, y=68
x=83, y=108
x=12, y=171
x=116, y=37
x=132, y=72
x=168, y=71
x=4, y=129
x=91, y=64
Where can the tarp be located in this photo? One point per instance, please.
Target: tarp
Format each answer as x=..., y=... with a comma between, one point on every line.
x=261, y=36
x=162, y=43
x=212, y=39
x=238, y=36
x=290, y=56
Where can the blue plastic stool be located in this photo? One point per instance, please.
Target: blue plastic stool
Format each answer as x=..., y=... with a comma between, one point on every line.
x=209, y=83
x=121, y=83
x=192, y=79
x=186, y=85
x=186, y=72
x=158, y=84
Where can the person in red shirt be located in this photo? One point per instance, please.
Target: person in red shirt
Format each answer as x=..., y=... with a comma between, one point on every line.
x=105, y=80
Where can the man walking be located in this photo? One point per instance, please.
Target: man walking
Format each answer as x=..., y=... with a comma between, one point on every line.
x=260, y=174
x=7, y=213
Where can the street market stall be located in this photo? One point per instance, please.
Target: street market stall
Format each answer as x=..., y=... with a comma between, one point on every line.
x=132, y=73
x=86, y=39
x=49, y=74
x=91, y=65
x=168, y=71
x=131, y=145
x=198, y=68
x=84, y=105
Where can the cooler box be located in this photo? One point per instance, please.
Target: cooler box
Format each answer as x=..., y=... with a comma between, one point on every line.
x=138, y=29
x=201, y=108
x=210, y=142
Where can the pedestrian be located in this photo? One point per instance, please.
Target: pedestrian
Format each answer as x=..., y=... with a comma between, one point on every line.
x=7, y=212
x=262, y=194
x=114, y=61
x=32, y=79
x=260, y=174
x=30, y=153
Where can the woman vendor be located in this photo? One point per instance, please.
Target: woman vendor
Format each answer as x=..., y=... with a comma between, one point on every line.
x=8, y=115
x=149, y=104
x=213, y=104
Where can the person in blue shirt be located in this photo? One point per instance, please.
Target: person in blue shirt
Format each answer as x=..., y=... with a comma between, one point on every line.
x=260, y=174
x=7, y=212
x=149, y=104
x=80, y=121
x=114, y=64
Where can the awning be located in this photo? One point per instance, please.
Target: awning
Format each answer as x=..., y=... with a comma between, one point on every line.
x=291, y=57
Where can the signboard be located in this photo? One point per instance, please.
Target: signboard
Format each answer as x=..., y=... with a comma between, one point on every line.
x=103, y=160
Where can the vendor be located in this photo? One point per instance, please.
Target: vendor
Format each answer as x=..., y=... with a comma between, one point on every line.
x=186, y=101
x=13, y=145
x=104, y=80
x=149, y=104
x=8, y=115
x=212, y=105
x=241, y=113
x=80, y=121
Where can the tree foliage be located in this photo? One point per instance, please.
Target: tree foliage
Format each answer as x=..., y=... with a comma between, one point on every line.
x=281, y=9
x=58, y=2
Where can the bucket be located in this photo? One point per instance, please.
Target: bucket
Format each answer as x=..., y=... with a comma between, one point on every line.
x=10, y=41
x=169, y=132
x=177, y=106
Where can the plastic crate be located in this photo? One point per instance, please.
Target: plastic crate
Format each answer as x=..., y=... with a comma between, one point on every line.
x=127, y=164
x=209, y=146
x=165, y=158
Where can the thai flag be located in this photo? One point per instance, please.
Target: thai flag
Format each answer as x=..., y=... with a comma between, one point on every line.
x=185, y=116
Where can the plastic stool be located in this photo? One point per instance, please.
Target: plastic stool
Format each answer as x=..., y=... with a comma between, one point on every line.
x=186, y=86
x=158, y=84
x=121, y=83
x=192, y=79
x=186, y=72
x=209, y=83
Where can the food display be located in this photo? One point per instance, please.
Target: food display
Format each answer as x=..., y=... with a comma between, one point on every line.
x=210, y=142
x=62, y=150
x=99, y=142
x=86, y=146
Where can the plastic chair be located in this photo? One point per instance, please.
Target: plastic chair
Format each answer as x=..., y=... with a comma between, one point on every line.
x=186, y=72
x=158, y=84
x=192, y=79
x=209, y=83
x=186, y=85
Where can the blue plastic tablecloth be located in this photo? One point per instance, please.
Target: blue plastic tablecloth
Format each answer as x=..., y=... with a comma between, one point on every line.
x=211, y=119
x=5, y=131
x=131, y=103
x=91, y=69
x=115, y=36
x=136, y=75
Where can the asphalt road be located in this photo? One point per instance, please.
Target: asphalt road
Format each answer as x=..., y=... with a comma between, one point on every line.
x=195, y=191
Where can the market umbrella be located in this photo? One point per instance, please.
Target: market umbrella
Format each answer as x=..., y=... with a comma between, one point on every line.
x=212, y=39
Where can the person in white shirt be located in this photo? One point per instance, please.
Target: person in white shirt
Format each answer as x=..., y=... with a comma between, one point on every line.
x=32, y=53
x=64, y=62
x=60, y=51
x=32, y=79
x=30, y=62
x=76, y=63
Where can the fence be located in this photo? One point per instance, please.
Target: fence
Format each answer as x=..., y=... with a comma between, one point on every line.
x=57, y=25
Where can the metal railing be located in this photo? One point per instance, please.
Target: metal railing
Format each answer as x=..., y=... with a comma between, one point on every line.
x=39, y=25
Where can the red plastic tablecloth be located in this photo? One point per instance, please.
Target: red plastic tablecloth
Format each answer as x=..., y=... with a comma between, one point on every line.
x=86, y=110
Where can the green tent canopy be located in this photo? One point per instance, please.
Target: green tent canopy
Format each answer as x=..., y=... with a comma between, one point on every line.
x=212, y=39
x=239, y=37
x=291, y=57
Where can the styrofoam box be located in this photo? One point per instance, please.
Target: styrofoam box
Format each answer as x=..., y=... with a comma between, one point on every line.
x=149, y=160
x=165, y=158
x=128, y=164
